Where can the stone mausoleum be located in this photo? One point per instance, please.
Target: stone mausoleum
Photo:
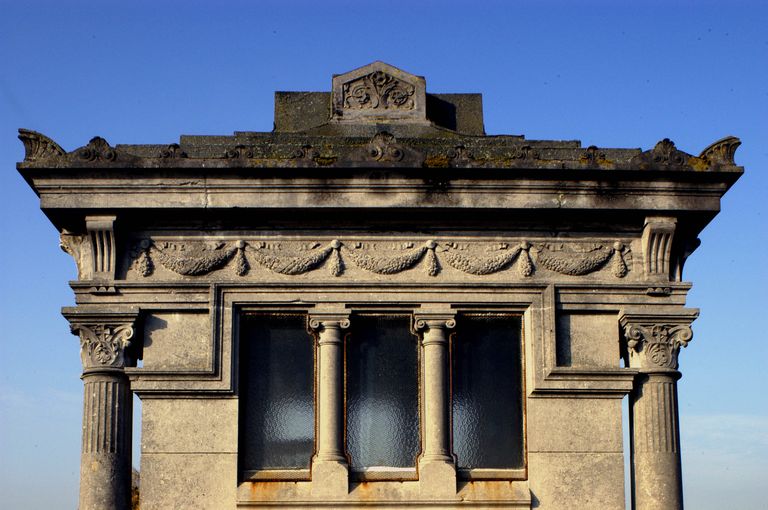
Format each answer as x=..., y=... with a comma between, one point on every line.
x=378, y=305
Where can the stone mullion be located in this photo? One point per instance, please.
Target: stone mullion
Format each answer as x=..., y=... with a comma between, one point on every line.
x=437, y=472
x=329, y=466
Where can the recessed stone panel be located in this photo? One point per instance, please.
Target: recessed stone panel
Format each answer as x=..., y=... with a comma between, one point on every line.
x=177, y=341
x=587, y=340
x=207, y=425
x=574, y=425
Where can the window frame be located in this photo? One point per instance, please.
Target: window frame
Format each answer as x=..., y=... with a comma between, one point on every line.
x=413, y=309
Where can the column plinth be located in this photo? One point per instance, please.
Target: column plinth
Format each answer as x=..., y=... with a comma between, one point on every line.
x=437, y=471
x=105, y=461
x=330, y=469
x=653, y=344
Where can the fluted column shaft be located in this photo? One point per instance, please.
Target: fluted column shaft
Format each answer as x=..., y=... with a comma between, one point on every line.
x=105, y=460
x=657, y=477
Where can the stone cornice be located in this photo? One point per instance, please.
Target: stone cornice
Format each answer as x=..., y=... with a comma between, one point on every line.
x=439, y=149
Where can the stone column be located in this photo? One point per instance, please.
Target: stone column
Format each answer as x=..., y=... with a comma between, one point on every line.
x=653, y=343
x=437, y=472
x=329, y=466
x=105, y=462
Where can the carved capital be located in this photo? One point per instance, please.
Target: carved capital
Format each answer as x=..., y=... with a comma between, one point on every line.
x=328, y=327
x=105, y=337
x=433, y=327
x=654, y=342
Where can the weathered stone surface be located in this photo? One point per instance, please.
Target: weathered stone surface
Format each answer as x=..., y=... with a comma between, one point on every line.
x=587, y=340
x=564, y=481
x=177, y=342
x=176, y=481
x=208, y=425
x=380, y=198
x=568, y=425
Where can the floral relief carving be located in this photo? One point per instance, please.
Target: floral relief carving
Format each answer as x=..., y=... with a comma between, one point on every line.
x=395, y=264
x=173, y=151
x=103, y=345
x=570, y=261
x=73, y=244
x=473, y=263
x=656, y=345
x=378, y=90
x=196, y=258
x=274, y=259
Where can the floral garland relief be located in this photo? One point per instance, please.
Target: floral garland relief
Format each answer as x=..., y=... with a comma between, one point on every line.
x=195, y=258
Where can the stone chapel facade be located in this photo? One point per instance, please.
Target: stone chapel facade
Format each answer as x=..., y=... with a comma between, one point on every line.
x=378, y=305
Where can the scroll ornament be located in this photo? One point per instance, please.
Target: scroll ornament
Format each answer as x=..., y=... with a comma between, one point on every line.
x=657, y=345
x=378, y=90
x=103, y=345
x=195, y=258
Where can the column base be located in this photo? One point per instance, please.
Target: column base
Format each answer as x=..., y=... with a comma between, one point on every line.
x=330, y=479
x=437, y=478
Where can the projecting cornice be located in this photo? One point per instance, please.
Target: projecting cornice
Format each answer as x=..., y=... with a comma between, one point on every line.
x=381, y=149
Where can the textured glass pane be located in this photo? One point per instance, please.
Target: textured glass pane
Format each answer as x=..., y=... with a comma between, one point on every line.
x=382, y=393
x=276, y=392
x=487, y=392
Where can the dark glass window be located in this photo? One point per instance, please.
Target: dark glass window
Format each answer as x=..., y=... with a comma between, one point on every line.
x=382, y=372
x=276, y=391
x=486, y=381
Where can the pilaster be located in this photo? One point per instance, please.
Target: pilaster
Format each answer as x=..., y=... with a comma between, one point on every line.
x=653, y=342
x=330, y=469
x=437, y=471
x=105, y=463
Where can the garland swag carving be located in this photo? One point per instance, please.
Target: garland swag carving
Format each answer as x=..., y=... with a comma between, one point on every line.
x=196, y=258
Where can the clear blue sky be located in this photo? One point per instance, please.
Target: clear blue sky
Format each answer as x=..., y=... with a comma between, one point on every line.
x=611, y=73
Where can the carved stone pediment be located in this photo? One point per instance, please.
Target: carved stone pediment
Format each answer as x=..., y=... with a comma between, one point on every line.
x=379, y=92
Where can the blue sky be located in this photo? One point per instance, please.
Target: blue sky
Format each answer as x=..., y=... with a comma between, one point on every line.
x=612, y=74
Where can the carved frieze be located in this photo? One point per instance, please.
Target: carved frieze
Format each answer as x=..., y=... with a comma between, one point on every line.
x=524, y=152
x=291, y=258
x=367, y=257
x=577, y=260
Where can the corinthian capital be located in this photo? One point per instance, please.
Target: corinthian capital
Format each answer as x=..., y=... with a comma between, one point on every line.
x=654, y=341
x=104, y=336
